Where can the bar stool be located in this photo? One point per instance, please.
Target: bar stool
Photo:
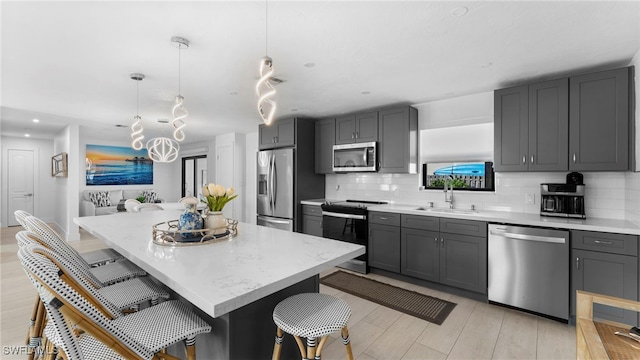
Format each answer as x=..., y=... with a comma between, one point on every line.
x=311, y=316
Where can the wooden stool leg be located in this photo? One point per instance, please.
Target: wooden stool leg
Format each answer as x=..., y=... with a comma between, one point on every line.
x=191, y=348
x=321, y=346
x=311, y=348
x=32, y=320
x=347, y=343
x=277, y=347
x=303, y=351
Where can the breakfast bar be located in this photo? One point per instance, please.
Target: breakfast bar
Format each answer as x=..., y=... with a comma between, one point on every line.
x=234, y=284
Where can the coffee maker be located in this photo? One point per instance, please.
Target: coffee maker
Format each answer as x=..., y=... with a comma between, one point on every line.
x=564, y=200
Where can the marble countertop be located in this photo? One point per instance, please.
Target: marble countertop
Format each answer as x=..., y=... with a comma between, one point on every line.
x=220, y=277
x=590, y=224
x=316, y=202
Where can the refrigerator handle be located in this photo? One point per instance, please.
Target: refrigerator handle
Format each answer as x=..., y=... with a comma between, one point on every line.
x=275, y=183
x=272, y=181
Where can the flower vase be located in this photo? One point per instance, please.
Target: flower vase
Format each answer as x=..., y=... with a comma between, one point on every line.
x=190, y=219
x=215, y=222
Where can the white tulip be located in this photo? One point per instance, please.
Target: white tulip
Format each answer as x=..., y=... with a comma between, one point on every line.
x=218, y=191
x=230, y=191
x=205, y=191
x=212, y=188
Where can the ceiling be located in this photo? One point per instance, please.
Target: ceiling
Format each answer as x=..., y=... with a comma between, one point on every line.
x=69, y=62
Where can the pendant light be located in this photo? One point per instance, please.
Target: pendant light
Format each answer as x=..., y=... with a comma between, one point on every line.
x=136, y=128
x=264, y=88
x=179, y=112
x=163, y=149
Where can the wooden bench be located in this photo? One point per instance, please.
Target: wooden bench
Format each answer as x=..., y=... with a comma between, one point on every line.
x=589, y=344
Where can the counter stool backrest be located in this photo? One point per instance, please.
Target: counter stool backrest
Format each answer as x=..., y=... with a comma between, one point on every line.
x=49, y=238
x=61, y=300
x=147, y=207
x=20, y=215
x=71, y=275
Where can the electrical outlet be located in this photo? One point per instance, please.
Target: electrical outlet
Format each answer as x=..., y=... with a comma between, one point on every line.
x=530, y=199
x=337, y=187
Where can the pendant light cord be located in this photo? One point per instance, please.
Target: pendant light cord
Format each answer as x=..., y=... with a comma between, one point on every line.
x=179, y=68
x=138, y=98
x=266, y=28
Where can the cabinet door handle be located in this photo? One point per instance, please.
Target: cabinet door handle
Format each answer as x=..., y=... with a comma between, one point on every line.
x=442, y=243
x=574, y=157
x=353, y=135
x=383, y=218
x=435, y=240
x=577, y=263
x=524, y=159
x=532, y=159
x=357, y=134
x=603, y=242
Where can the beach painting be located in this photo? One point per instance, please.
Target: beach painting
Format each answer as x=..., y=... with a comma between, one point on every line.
x=118, y=165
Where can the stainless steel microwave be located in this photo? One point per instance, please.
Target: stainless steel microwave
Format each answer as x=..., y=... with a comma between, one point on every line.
x=355, y=157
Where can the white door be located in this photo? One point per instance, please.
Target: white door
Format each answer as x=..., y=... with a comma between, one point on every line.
x=20, y=182
x=224, y=174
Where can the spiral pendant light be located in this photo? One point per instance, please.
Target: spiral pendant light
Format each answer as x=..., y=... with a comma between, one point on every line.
x=163, y=149
x=264, y=88
x=178, y=111
x=136, y=128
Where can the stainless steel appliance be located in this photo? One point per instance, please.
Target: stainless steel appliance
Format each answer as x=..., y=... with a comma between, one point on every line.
x=355, y=157
x=562, y=200
x=275, y=172
x=347, y=221
x=529, y=269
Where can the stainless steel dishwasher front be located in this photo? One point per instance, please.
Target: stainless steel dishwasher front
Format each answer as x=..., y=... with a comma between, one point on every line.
x=529, y=269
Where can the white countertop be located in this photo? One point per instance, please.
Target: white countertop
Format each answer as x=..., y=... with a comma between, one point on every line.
x=220, y=277
x=590, y=224
x=315, y=202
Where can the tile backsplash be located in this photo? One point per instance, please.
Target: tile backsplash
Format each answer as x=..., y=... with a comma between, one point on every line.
x=610, y=195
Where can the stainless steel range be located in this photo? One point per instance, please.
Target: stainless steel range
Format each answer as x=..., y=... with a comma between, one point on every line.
x=347, y=221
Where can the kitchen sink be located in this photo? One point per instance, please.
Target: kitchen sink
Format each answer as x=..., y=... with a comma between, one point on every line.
x=448, y=211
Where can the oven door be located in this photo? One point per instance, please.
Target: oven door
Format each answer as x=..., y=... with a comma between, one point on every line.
x=350, y=228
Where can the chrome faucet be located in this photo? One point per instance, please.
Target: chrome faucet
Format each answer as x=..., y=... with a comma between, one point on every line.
x=448, y=191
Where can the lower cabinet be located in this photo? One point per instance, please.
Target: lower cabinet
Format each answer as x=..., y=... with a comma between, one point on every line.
x=384, y=247
x=443, y=250
x=605, y=264
x=312, y=220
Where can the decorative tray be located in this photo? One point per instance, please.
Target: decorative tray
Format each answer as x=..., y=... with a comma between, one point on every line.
x=167, y=234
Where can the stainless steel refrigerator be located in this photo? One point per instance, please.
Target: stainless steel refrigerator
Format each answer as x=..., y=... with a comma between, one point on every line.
x=276, y=188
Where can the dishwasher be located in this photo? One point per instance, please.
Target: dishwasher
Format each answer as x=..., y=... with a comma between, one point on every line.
x=528, y=268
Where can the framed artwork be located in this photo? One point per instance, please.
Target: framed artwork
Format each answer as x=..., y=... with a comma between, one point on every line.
x=59, y=165
x=117, y=165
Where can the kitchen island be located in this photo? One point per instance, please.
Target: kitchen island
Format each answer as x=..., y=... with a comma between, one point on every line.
x=233, y=284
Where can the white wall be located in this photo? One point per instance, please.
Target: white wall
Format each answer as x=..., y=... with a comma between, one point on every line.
x=250, y=199
x=67, y=198
x=44, y=198
x=166, y=176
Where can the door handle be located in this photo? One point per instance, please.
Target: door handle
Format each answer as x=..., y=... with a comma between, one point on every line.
x=435, y=240
x=442, y=243
x=524, y=159
x=532, y=159
x=578, y=263
x=275, y=182
x=574, y=157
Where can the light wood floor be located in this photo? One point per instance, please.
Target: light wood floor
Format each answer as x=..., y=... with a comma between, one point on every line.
x=474, y=330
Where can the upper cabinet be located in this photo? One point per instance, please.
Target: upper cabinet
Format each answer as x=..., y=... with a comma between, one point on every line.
x=579, y=123
x=280, y=133
x=356, y=128
x=325, y=133
x=398, y=146
x=599, y=126
x=531, y=127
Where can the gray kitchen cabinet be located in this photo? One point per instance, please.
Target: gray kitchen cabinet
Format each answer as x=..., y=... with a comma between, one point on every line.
x=531, y=125
x=384, y=241
x=281, y=133
x=605, y=264
x=420, y=251
x=357, y=128
x=312, y=220
x=325, y=133
x=398, y=147
x=599, y=122
x=443, y=250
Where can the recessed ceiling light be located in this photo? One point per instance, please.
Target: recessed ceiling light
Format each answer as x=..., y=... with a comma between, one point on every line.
x=366, y=92
x=459, y=11
x=26, y=135
x=163, y=121
x=121, y=126
x=233, y=93
x=36, y=120
x=309, y=65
